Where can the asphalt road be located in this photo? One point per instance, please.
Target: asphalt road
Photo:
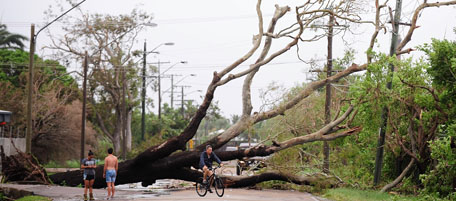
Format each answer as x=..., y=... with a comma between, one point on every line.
x=239, y=194
x=58, y=193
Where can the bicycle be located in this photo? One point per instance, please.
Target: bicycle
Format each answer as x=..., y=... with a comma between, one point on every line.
x=215, y=180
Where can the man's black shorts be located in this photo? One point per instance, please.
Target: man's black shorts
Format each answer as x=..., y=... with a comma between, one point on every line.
x=89, y=177
x=210, y=168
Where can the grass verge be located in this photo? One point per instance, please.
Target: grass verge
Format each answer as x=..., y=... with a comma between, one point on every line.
x=34, y=198
x=342, y=194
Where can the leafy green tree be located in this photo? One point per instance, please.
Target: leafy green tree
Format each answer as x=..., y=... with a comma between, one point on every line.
x=172, y=124
x=440, y=179
x=212, y=122
x=10, y=40
x=442, y=58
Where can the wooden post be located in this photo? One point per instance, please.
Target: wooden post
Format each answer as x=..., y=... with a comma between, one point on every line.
x=382, y=131
x=143, y=94
x=328, y=94
x=28, y=136
x=84, y=102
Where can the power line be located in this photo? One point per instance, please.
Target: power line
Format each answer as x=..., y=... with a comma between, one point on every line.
x=163, y=21
x=111, y=67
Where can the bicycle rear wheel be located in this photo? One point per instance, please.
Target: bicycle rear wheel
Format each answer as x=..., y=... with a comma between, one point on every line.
x=219, y=187
x=200, y=188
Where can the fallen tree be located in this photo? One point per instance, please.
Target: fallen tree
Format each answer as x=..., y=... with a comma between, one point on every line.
x=170, y=159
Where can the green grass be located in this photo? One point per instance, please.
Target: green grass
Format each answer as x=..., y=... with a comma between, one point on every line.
x=342, y=194
x=69, y=164
x=34, y=198
x=355, y=195
x=66, y=164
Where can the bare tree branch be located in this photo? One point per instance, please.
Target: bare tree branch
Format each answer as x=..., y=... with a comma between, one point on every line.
x=416, y=14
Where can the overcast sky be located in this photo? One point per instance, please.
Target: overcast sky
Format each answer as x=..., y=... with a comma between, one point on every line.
x=211, y=34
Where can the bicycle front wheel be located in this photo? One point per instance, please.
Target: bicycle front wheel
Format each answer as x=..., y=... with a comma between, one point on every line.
x=219, y=187
x=201, y=189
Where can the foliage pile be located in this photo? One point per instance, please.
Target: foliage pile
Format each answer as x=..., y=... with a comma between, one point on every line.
x=56, y=109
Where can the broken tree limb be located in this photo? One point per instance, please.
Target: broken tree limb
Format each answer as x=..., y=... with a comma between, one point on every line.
x=245, y=181
x=400, y=177
x=310, y=180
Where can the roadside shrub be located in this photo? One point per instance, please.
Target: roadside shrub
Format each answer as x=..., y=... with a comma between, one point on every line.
x=439, y=180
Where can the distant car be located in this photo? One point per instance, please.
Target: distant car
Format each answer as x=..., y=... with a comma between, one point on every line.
x=252, y=163
x=231, y=148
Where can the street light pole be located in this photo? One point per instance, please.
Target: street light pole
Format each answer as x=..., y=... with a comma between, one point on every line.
x=143, y=101
x=33, y=36
x=28, y=137
x=182, y=102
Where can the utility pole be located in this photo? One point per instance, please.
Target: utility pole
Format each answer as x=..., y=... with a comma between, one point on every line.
x=143, y=94
x=159, y=85
x=28, y=137
x=172, y=88
x=382, y=131
x=172, y=91
x=84, y=99
x=123, y=116
x=328, y=94
x=159, y=93
x=182, y=99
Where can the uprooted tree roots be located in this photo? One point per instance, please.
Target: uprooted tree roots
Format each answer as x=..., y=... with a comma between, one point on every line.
x=23, y=168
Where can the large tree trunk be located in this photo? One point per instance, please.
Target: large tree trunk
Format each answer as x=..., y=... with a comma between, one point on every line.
x=176, y=167
x=117, y=134
x=129, y=135
x=147, y=171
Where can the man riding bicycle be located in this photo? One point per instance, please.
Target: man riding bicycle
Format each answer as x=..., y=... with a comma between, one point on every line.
x=206, y=159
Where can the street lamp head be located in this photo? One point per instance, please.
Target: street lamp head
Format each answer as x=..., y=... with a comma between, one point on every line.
x=183, y=62
x=150, y=24
x=192, y=74
x=169, y=43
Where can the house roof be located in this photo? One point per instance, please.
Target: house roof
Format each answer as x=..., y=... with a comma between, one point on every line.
x=5, y=112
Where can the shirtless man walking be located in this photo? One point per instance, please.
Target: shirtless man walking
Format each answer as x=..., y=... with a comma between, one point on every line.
x=110, y=171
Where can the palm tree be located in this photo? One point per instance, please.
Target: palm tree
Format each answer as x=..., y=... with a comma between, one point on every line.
x=10, y=40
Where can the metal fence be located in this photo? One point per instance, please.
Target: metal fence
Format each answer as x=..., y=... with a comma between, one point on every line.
x=12, y=132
